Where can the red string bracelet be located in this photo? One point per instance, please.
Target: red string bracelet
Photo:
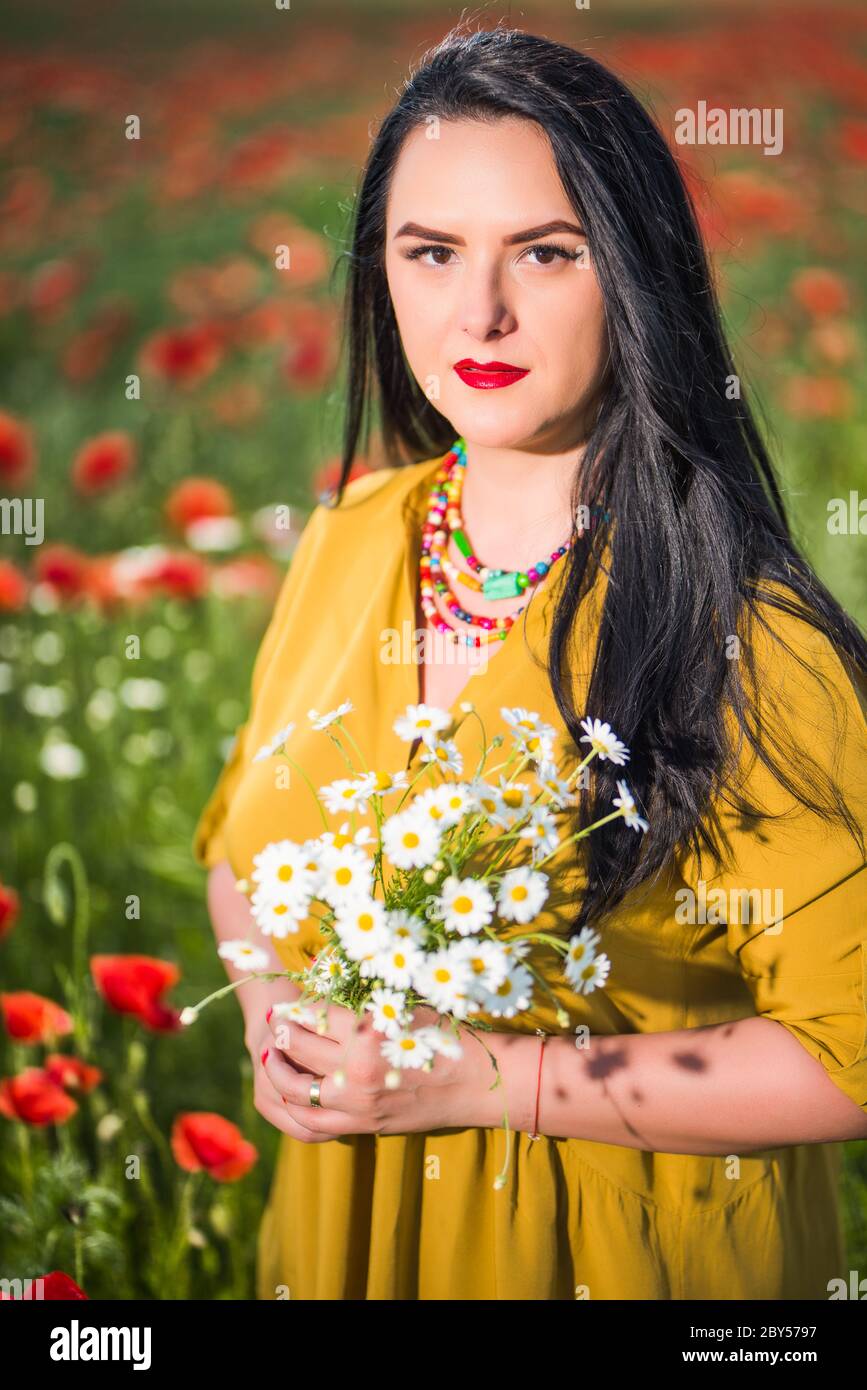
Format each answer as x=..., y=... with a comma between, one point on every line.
x=540, y=1033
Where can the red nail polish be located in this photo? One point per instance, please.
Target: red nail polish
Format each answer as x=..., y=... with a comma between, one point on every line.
x=268, y=1014
x=264, y=1056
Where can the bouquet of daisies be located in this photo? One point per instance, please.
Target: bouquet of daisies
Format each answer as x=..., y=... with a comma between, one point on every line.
x=405, y=919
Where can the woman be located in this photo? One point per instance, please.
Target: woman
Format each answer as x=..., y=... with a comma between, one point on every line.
x=526, y=274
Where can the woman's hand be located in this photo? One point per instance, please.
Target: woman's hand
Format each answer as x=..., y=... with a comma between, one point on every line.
x=348, y=1061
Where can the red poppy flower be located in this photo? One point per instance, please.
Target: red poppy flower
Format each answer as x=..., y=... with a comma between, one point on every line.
x=249, y=575
x=183, y=356
x=312, y=347
x=9, y=900
x=71, y=1073
x=30, y=1018
x=53, y=287
x=203, y=1140
x=180, y=575
x=64, y=568
x=821, y=292
x=195, y=499
x=819, y=397
x=34, y=1098
x=17, y=452
x=103, y=461
x=55, y=1285
x=134, y=984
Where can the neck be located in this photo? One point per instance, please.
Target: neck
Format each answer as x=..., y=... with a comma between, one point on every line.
x=516, y=504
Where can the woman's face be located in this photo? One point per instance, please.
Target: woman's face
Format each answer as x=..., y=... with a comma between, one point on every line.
x=473, y=276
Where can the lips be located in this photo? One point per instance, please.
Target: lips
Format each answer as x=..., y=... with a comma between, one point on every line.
x=487, y=376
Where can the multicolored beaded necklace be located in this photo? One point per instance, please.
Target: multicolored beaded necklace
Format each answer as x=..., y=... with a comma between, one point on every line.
x=435, y=568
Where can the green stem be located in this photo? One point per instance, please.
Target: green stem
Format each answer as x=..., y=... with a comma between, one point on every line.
x=53, y=893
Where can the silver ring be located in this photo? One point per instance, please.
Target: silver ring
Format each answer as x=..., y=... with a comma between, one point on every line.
x=315, y=1087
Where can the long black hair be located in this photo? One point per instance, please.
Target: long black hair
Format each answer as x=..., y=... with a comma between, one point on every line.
x=697, y=531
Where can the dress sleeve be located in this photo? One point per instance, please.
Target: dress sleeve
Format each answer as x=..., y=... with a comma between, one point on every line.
x=208, y=843
x=794, y=898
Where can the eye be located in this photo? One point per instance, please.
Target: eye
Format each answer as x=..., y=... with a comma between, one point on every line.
x=555, y=251
x=416, y=253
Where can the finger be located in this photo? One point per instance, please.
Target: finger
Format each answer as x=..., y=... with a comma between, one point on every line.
x=278, y=1115
x=336, y=1023
x=279, y=1069
x=330, y=1124
x=310, y=1052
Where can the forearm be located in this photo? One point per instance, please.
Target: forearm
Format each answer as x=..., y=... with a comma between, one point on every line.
x=231, y=918
x=730, y=1087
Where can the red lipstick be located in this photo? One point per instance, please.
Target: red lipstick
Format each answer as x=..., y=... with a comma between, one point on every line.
x=487, y=376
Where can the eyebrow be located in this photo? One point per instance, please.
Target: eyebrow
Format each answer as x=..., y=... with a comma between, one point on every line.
x=531, y=234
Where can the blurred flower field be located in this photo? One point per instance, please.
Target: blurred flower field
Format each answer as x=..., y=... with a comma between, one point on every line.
x=170, y=390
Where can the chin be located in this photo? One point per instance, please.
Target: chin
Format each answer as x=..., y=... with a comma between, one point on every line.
x=493, y=423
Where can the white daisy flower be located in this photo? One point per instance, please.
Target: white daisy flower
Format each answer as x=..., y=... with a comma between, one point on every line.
x=541, y=829
x=442, y=1040
x=361, y=928
x=512, y=996
x=407, y=1049
x=532, y=734
x=626, y=802
x=421, y=721
x=282, y=871
x=485, y=798
x=274, y=744
x=381, y=783
x=557, y=787
x=446, y=980
x=405, y=926
x=582, y=950
x=347, y=875
x=488, y=960
x=346, y=794
x=444, y=752
x=444, y=805
x=293, y=1011
x=328, y=970
x=513, y=801
x=593, y=975
x=522, y=894
x=410, y=841
x=604, y=741
x=397, y=964
x=244, y=955
x=278, y=916
x=363, y=836
x=388, y=1007
x=322, y=721
x=465, y=905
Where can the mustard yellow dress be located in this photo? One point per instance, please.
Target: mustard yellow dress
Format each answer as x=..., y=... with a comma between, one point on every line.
x=416, y=1216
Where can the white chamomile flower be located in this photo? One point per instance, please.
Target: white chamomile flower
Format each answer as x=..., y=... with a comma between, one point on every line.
x=541, y=830
x=513, y=995
x=421, y=721
x=361, y=928
x=465, y=905
x=327, y=971
x=532, y=734
x=488, y=960
x=626, y=802
x=410, y=841
x=445, y=979
x=405, y=926
x=363, y=836
x=593, y=975
x=513, y=801
x=388, y=1007
x=347, y=874
x=557, y=787
x=278, y=915
x=274, y=744
x=581, y=952
x=243, y=955
x=442, y=1040
x=381, y=783
x=396, y=964
x=485, y=798
x=407, y=1049
x=604, y=741
x=322, y=721
x=445, y=753
x=282, y=871
x=444, y=805
x=522, y=894
x=346, y=794
x=294, y=1011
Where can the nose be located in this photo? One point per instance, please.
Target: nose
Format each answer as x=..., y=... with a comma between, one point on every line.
x=484, y=309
